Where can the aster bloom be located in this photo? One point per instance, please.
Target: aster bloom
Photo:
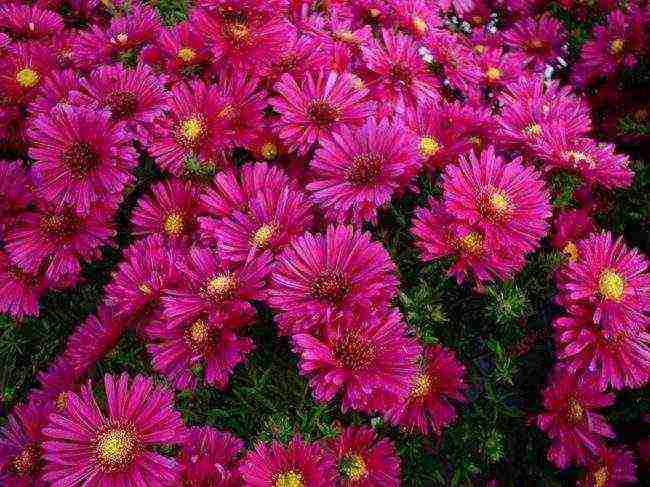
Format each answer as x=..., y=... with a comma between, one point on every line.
x=363, y=459
x=134, y=96
x=56, y=383
x=498, y=68
x=210, y=457
x=272, y=221
x=610, y=467
x=540, y=40
x=82, y=157
x=356, y=172
x=612, y=278
x=571, y=226
x=584, y=348
x=507, y=200
x=14, y=192
x=210, y=342
x=170, y=210
x=570, y=419
x=147, y=270
x=318, y=276
x=439, y=381
x=212, y=283
x=298, y=464
x=319, y=106
x=22, y=69
x=417, y=17
x=359, y=357
x=55, y=90
x=21, y=438
x=398, y=74
x=448, y=53
x=25, y=22
x=56, y=239
x=85, y=444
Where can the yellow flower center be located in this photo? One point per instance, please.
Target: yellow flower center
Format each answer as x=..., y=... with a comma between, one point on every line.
x=499, y=203
x=186, y=54
x=221, y=285
x=374, y=12
x=480, y=49
x=536, y=44
x=27, y=78
x=611, y=285
x=174, y=224
x=493, y=73
x=145, y=289
x=575, y=412
x=571, y=251
x=353, y=467
x=291, y=478
x=27, y=461
x=419, y=24
x=61, y=401
x=617, y=46
x=269, y=151
x=472, y=243
x=122, y=38
x=263, y=235
x=429, y=146
x=192, y=128
x=199, y=332
x=357, y=83
x=534, y=129
x=115, y=448
x=240, y=32
x=421, y=386
x=346, y=36
x=600, y=477
x=476, y=141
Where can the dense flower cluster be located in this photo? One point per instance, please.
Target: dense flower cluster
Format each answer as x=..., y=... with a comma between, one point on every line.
x=281, y=130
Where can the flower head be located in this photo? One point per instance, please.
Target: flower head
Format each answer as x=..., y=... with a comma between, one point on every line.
x=610, y=467
x=29, y=22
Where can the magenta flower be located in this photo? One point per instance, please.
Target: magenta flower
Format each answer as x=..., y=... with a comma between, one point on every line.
x=454, y=58
x=416, y=17
x=210, y=458
x=318, y=276
x=359, y=357
x=610, y=467
x=82, y=157
x=508, y=201
x=428, y=404
x=498, y=69
x=15, y=194
x=571, y=226
x=584, y=348
x=25, y=22
x=364, y=460
x=107, y=447
x=356, y=172
x=55, y=90
x=613, y=279
x=21, y=441
x=570, y=419
x=22, y=69
x=19, y=290
x=179, y=348
x=296, y=464
x=212, y=283
x=319, y=106
x=56, y=383
x=542, y=41
x=169, y=210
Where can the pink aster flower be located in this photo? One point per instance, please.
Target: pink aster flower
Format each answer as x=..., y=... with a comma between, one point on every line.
x=15, y=195
x=147, y=270
x=359, y=357
x=356, y=172
x=427, y=406
x=56, y=239
x=507, y=200
x=210, y=457
x=170, y=210
x=85, y=444
x=611, y=467
x=542, y=41
x=363, y=459
x=55, y=90
x=210, y=342
x=571, y=226
x=416, y=17
x=611, y=277
x=22, y=69
x=318, y=276
x=570, y=419
x=271, y=222
x=134, y=96
x=82, y=157
x=296, y=464
x=212, y=283
x=453, y=58
x=56, y=383
x=21, y=439
x=498, y=68
x=584, y=348
x=29, y=21
x=20, y=291
x=319, y=106
x=398, y=74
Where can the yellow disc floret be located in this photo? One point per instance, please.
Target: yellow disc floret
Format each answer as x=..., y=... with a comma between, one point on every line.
x=611, y=285
x=353, y=467
x=115, y=448
x=27, y=78
x=291, y=478
x=429, y=146
x=174, y=224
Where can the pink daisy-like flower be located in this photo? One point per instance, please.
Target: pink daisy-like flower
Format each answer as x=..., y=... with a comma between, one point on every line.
x=498, y=68
x=398, y=75
x=25, y=22
x=507, y=200
x=21, y=439
x=439, y=380
x=318, y=276
x=82, y=157
x=212, y=283
x=416, y=17
x=22, y=69
x=15, y=194
x=542, y=41
x=584, y=348
x=610, y=467
x=211, y=342
x=612, y=278
x=134, y=96
x=296, y=464
x=271, y=221
x=55, y=90
x=57, y=238
x=319, y=106
x=571, y=226
x=359, y=357
x=170, y=210
x=364, y=460
x=55, y=384
x=85, y=444
x=448, y=53
x=356, y=172
x=19, y=290
x=570, y=419
x=210, y=458
x=147, y=270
